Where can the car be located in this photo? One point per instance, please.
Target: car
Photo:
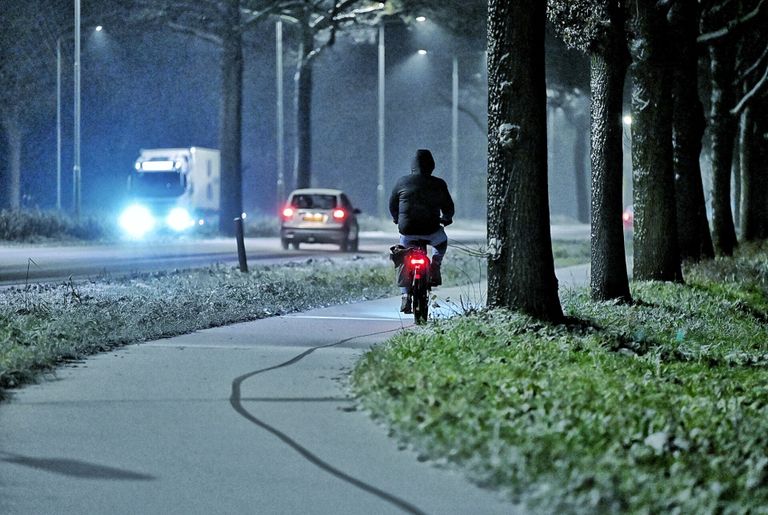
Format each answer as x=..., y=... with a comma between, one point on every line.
x=628, y=218
x=319, y=215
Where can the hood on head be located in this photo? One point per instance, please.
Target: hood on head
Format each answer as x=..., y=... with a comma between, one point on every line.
x=423, y=162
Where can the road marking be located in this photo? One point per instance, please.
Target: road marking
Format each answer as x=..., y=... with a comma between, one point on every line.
x=322, y=317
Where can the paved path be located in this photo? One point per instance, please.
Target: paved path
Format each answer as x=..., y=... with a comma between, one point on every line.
x=248, y=418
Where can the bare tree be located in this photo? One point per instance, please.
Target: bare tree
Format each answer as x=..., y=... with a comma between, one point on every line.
x=597, y=27
x=520, y=265
x=27, y=63
x=572, y=103
x=317, y=23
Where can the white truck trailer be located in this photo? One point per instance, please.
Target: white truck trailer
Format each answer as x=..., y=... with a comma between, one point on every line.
x=173, y=188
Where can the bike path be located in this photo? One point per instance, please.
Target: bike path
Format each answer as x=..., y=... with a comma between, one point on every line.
x=248, y=418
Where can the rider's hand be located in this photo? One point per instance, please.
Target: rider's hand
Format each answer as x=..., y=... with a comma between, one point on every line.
x=446, y=222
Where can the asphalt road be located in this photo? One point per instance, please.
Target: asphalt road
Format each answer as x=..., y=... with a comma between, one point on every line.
x=22, y=264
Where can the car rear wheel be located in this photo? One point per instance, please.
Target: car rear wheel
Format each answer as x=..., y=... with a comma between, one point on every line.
x=295, y=245
x=284, y=243
x=350, y=241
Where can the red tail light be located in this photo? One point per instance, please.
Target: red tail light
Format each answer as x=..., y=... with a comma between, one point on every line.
x=288, y=212
x=417, y=261
x=339, y=214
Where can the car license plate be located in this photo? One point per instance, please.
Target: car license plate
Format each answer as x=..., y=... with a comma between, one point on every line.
x=314, y=217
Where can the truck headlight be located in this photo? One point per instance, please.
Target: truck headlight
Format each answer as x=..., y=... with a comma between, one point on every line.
x=137, y=220
x=179, y=219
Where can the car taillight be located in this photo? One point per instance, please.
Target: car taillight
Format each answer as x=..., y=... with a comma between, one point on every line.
x=288, y=212
x=339, y=214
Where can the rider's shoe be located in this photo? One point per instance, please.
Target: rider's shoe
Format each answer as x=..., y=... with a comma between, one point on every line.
x=435, y=279
x=405, y=304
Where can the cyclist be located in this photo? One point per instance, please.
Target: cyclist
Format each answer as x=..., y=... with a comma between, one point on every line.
x=419, y=204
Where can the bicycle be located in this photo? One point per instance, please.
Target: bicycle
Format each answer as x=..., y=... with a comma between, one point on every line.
x=414, y=274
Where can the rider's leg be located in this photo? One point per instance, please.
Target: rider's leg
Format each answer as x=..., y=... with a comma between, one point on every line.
x=439, y=244
x=405, y=304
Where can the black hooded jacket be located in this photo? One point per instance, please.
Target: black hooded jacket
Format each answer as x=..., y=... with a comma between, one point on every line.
x=418, y=201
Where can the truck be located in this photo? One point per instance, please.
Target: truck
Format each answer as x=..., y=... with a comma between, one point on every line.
x=172, y=189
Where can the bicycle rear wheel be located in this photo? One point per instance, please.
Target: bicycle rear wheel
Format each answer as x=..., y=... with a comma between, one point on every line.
x=420, y=305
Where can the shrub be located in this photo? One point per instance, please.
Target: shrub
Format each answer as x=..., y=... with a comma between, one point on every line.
x=31, y=226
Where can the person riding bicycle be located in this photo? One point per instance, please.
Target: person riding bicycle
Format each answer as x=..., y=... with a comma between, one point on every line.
x=419, y=204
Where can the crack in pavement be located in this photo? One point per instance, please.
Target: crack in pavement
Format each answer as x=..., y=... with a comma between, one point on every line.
x=236, y=401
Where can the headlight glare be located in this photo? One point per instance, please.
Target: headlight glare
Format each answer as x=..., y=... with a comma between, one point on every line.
x=136, y=221
x=179, y=220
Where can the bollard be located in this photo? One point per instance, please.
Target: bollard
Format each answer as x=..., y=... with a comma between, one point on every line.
x=240, y=245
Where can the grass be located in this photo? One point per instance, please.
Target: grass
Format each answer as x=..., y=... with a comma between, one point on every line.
x=658, y=406
x=570, y=252
x=42, y=325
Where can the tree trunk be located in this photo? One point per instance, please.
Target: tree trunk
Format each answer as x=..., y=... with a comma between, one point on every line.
x=694, y=239
x=580, y=169
x=656, y=255
x=723, y=127
x=302, y=172
x=754, y=174
x=230, y=138
x=12, y=183
x=693, y=235
x=736, y=177
x=521, y=271
x=608, y=66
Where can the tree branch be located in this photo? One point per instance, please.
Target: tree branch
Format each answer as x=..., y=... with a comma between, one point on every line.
x=482, y=127
x=732, y=26
x=761, y=84
x=206, y=36
x=755, y=65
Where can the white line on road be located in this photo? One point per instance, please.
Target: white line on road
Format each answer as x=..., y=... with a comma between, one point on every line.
x=320, y=317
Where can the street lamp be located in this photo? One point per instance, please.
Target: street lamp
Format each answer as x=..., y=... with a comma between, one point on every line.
x=454, y=125
x=380, y=198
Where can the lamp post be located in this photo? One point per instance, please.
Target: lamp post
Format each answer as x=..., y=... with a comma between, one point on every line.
x=380, y=185
x=280, y=114
x=76, y=167
x=454, y=125
x=58, y=124
x=76, y=177
x=455, y=130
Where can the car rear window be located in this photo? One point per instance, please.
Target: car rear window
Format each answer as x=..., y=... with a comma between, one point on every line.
x=314, y=201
